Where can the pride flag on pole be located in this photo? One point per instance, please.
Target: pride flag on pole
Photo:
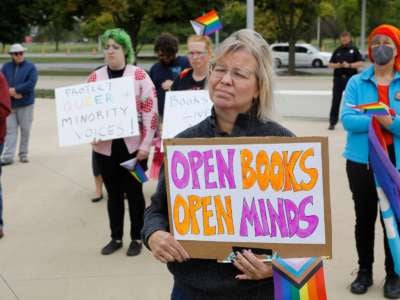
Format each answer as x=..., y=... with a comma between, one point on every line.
x=207, y=23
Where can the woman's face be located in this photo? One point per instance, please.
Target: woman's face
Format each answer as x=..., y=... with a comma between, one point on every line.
x=114, y=55
x=233, y=82
x=380, y=40
x=198, y=55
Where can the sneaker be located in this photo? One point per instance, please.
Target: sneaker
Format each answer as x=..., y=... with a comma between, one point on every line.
x=362, y=282
x=111, y=247
x=24, y=160
x=1, y=232
x=331, y=127
x=6, y=162
x=134, y=248
x=391, y=288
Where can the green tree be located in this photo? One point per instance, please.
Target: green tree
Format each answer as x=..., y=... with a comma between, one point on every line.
x=14, y=21
x=293, y=18
x=135, y=15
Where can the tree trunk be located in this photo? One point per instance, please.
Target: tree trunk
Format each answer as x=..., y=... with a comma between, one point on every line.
x=292, y=57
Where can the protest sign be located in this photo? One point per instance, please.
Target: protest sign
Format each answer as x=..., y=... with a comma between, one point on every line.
x=101, y=110
x=261, y=192
x=184, y=109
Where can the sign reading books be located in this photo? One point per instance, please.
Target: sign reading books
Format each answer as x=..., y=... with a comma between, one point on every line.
x=260, y=192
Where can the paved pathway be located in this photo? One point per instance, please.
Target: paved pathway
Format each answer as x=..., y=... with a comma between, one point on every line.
x=54, y=234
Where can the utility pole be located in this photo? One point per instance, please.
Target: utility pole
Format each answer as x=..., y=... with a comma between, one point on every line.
x=363, y=12
x=250, y=14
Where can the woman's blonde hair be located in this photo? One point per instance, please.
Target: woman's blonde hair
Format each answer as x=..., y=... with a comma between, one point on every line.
x=204, y=39
x=254, y=44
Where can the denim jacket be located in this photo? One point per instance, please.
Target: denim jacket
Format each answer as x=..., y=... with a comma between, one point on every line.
x=362, y=89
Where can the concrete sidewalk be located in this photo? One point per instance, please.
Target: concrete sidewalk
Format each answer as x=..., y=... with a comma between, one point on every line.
x=53, y=233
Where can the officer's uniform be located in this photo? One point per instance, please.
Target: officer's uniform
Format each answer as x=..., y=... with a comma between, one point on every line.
x=342, y=54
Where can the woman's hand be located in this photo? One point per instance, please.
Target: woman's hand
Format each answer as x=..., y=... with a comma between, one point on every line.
x=95, y=142
x=165, y=248
x=252, y=267
x=385, y=121
x=166, y=85
x=142, y=155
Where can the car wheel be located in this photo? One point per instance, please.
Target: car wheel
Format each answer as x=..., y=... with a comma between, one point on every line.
x=277, y=62
x=317, y=63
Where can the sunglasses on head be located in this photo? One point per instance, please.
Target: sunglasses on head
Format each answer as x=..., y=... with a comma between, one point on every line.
x=17, y=53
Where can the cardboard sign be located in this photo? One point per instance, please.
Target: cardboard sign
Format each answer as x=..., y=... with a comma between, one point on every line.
x=184, y=109
x=101, y=110
x=259, y=192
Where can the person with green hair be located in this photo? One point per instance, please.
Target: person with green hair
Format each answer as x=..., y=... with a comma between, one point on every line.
x=122, y=38
x=118, y=54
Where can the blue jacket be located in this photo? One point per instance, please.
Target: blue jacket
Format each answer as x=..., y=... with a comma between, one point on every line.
x=23, y=78
x=362, y=89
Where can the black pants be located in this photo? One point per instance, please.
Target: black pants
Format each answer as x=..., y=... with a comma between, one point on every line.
x=118, y=181
x=362, y=186
x=339, y=84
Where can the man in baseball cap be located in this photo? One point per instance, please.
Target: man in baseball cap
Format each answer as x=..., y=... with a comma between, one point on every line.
x=21, y=76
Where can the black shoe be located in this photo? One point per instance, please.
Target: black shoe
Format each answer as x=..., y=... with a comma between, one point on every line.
x=111, y=247
x=134, y=248
x=391, y=288
x=362, y=282
x=1, y=232
x=97, y=199
x=331, y=127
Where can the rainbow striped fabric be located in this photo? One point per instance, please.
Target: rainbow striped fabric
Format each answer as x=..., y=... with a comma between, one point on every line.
x=299, y=279
x=139, y=173
x=376, y=108
x=134, y=167
x=207, y=23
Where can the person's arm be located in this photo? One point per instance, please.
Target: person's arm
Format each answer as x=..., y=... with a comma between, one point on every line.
x=353, y=121
x=5, y=102
x=147, y=109
x=333, y=64
x=155, y=232
x=356, y=65
x=28, y=85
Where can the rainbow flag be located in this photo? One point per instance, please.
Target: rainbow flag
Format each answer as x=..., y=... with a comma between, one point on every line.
x=376, y=108
x=207, y=23
x=136, y=170
x=299, y=279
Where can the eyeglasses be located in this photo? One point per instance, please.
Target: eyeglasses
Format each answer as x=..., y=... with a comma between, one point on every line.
x=17, y=53
x=196, y=53
x=219, y=71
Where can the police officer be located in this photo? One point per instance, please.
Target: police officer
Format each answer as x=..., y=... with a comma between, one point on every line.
x=345, y=61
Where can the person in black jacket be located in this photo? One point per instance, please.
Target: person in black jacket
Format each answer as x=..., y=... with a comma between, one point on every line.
x=240, y=86
x=345, y=61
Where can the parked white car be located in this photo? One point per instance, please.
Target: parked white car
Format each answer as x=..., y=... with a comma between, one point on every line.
x=306, y=55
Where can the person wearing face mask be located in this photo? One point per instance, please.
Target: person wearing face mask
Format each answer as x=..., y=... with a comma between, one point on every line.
x=379, y=82
x=345, y=62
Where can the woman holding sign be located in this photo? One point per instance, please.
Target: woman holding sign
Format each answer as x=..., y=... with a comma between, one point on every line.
x=378, y=83
x=240, y=86
x=118, y=54
x=199, y=53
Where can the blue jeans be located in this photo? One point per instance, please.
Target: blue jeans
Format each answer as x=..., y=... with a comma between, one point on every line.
x=178, y=294
x=1, y=193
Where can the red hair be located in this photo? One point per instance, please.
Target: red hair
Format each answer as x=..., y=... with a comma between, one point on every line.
x=392, y=32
